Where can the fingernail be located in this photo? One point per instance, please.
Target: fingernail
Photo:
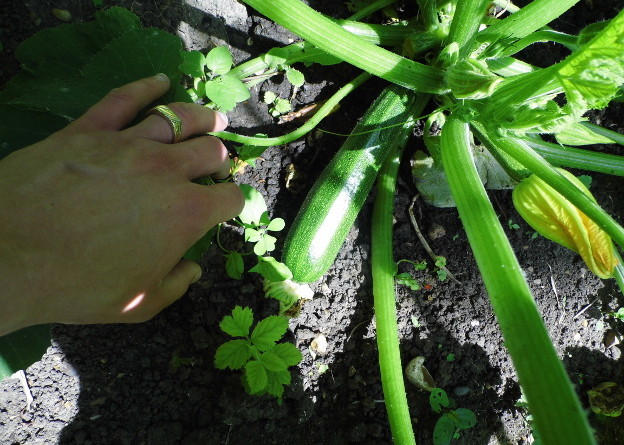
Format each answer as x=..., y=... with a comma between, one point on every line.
x=197, y=277
x=224, y=119
x=161, y=77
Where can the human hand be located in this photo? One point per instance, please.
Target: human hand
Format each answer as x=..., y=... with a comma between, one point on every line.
x=94, y=219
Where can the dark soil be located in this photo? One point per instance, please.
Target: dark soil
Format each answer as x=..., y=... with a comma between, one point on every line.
x=155, y=383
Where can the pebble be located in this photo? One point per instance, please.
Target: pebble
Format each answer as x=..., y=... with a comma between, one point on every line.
x=436, y=231
x=461, y=390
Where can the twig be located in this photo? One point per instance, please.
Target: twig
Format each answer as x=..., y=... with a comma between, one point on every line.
x=582, y=311
x=423, y=241
x=561, y=304
x=21, y=375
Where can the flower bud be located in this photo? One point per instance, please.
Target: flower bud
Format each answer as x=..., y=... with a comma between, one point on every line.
x=557, y=219
x=471, y=79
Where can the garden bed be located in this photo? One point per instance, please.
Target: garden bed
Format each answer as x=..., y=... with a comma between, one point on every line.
x=155, y=383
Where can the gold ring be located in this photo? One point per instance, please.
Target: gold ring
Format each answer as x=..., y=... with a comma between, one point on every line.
x=174, y=120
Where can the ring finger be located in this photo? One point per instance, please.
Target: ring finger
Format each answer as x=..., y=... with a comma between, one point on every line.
x=195, y=120
x=203, y=156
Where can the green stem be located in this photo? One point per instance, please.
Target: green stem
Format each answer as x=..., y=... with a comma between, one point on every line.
x=556, y=410
x=613, y=135
x=371, y=9
x=527, y=20
x=383, y=35
x=325, y=34
x=382, y=265
x=466, y=21
x=571, y=157
x=305, y=128
x=540, y=36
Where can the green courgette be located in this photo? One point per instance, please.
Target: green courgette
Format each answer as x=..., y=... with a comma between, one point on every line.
x=331, y=206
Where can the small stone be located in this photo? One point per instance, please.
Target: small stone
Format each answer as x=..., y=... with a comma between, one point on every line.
x=436, y=231
x=319, y=344
x=62, y=14
x=610, y=339
x=461, y=390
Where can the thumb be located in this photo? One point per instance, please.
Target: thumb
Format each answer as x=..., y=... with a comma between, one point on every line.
x=177, y=282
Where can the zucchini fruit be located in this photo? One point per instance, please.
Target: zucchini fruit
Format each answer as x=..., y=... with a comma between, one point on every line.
x=331, y=206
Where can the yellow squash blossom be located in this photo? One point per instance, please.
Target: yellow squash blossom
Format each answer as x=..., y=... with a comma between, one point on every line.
x=557, y=219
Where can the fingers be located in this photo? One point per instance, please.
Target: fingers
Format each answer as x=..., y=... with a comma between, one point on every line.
x=202, y=156
x=195, y=118
x=176, y=283
x=205, y=207
x=120, y=106
x=170, y=289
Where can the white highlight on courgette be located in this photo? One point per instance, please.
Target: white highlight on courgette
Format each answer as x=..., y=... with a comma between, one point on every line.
x=338, y=209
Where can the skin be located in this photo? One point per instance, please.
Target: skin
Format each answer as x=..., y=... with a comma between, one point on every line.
x=96, y=217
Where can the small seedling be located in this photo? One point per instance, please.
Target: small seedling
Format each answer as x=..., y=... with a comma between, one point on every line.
x=277, y=105
x=619, y=314
x=512, y=225
x=452, y=421
x=211, y=79
x=264, y=362
x=523, y=404
x=405, y=278
x=450, y=357
x=441, y=270
x=256, y=223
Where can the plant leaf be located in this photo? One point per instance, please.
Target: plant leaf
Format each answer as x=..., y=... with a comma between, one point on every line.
x=465, y=418
x=193, y=63
x=276, y=382
x=237, y=324
x=22, y=348
x=255, y=205
x=256, y=376
x=438, y=399
x=67, y=48
x=219, y=60
x=72, y=93
x=578, y=134
x=444, y=430
x=272, y=362
x=253, y=235
x=271, y=269
x=226, y=91
x=295, y=77
x=234, y=265
x=269, y=97
x=232, y=354
x=276, y=225
x=289, y=353
x=591, y=76
x=268, y=331
x=15, y=135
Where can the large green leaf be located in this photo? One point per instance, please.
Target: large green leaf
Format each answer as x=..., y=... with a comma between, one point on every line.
x=21, y=349
x=136, y=54
x=14, y=134
x=53, y=51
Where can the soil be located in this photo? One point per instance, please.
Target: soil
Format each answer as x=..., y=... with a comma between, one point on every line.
x=155, y=383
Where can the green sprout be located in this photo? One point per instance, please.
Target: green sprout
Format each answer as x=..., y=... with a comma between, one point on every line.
x=264, y=362
x=452, y=421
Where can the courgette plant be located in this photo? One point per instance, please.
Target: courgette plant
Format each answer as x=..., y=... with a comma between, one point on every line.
x=454, y=57
x=465, y=60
